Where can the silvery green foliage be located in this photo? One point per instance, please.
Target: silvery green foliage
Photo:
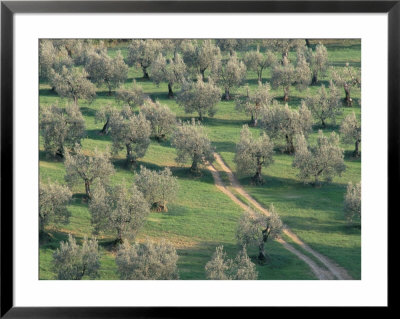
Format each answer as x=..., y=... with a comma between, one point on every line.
x=132, y=132
x=81, y=167
x=258, y=62
x=349, y=77
x=284, y=46
x=217, y=267
x=350, y=131
x=232, y=44
x=253, y=102
x=161, y=118
x=173, y=71
x=303, y=75
x=143, y=53
x=254, y=229
x=322, y=161
x=120, y=209
x=158, y=188
x=133, y=96
x=192, y=145
x=352, y=203
x=252, y=154
x=318, y=60
x=52, y=58
x=73, y=84
x=221, y=268
x=283, y=122
x=61, y=128
x=200, y=57
x=201, y=97
x=147, y=261
x=286, y=74
x=229, y=74
x=325, y=104
x=73, y=262
x=53, y=201
x=105, y=70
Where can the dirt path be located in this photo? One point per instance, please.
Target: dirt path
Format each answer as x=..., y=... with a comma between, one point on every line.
x=319, y=272
x=335, y=271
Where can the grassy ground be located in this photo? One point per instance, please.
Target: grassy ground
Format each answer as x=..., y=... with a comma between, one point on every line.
x=202, y=217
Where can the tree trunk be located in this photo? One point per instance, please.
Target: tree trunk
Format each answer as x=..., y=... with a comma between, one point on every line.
x=109, y=91
x=60, y=152
x=170, y=93
x=289, y=144
x=87, y=189
x=227, y=96
x=356, y=151
x=194, y=168
x=253, y=121
x=314, y=78
x=106, y=127
x=257, y=178
x=259, y=73
x=286, y=94
x=261, y=247
x=308, y=44
x=348, y=99
x=130, y=160
x=202, y=71
x=145, y=74
x=75, y=100
x=200, y=116
x=323, y=123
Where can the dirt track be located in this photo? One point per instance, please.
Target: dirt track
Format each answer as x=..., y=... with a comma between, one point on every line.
x=332, y=270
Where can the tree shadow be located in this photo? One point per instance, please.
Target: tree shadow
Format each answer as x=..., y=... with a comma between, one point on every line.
x=47, y=92
x=86, y=111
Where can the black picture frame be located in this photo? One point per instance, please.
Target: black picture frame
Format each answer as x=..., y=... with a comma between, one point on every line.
x=9, y=8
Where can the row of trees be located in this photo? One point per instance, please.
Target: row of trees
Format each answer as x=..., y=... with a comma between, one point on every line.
x=190, y=58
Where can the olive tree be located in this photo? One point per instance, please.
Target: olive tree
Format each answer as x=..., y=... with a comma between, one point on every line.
x=284, y=46
x=352, y=202
x=133, y=96
x=121, y=210
x=104, y=114
x=254, y=229
x=73, y=84
x=350, y=131
x=82, y=167
x=322, y=161
x=286, y=74
x=221, y=268
x=108, y=71
x=147, y=261
x=53, y=201
x=230, y=45
x=254, y=101
x=200, y=57
x=173, y=71
x=61, y=128
x=325, y=104
x=72, y=262
x=258, y=62
x=162, y=119
x=229, y=74
x=280, y=121
x=143, y=53
x=252, y=154
x=201, y=97
x=318, y=60
x=158, y=188
x=349, y=77
x=52, y=59
x=132, y=132
x=192, y=145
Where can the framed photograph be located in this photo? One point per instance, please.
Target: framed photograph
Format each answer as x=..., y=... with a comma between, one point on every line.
x=162, y=155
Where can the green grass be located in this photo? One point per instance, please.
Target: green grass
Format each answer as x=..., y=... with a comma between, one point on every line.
x=202, y=217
